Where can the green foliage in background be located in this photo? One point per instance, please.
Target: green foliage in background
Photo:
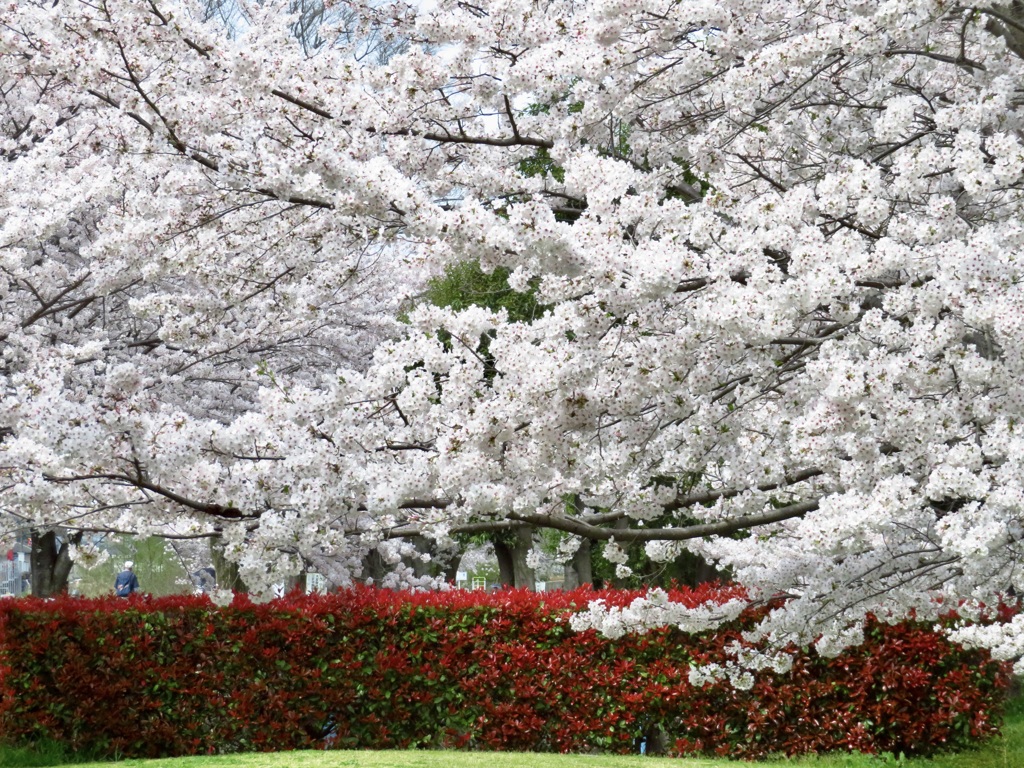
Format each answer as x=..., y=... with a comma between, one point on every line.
x=467, y=285
x=159, y=569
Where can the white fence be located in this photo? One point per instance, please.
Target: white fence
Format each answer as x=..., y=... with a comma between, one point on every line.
x=11, y=582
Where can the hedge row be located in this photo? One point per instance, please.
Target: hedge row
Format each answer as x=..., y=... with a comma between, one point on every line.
x=371, y=668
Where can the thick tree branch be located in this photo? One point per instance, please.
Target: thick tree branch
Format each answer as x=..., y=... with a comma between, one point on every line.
x=215, y=510
x=709, y=497
x=722, y=528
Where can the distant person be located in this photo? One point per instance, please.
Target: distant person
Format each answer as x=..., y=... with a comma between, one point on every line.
x=126, y=583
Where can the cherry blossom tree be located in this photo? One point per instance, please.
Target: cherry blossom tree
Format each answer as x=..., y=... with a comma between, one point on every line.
x=121, y=323
x=778, y=245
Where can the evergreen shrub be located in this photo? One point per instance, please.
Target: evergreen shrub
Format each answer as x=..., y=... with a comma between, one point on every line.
x=376, y=669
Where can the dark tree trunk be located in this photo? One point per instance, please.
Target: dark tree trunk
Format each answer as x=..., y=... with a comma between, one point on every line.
x=443, y=562
x=419, y=568
x=451, y=570
x=373, y=566
x=51, y=562
x=506, y=572
x=693, y=570
x=705, y=573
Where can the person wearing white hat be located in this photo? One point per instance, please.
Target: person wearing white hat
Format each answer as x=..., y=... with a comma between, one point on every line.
x=126, y=583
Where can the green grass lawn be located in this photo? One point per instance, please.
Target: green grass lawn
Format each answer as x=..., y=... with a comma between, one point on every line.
x=1004, y=752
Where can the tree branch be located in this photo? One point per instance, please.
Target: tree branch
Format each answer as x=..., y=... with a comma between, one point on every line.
x=215, y=510
x=442, y=138
x=693, y=499
x=721, y=528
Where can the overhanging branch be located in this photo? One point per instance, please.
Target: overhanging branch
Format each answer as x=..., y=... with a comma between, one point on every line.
x=214, y=510
x=588, y=530
x=721, y=528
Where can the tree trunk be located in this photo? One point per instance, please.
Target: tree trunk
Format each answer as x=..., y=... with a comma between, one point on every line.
x=423, y=546
x=451, y=570
x=506, y=572
x=1013, y=35
x=373, y=567
x=51, y=562
x=578, y=571
x=524, y=574
x=226, y=570
x=706, y=572
x=511, y=550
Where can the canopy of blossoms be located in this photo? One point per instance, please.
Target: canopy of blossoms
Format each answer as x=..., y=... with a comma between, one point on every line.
x=779, y=246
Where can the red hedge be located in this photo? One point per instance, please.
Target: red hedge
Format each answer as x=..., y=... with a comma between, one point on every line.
x=370, y=668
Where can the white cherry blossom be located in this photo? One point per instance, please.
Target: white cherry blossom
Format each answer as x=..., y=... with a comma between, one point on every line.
x=777, y=248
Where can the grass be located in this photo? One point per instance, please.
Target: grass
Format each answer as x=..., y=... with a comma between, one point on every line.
x=1005, y=752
